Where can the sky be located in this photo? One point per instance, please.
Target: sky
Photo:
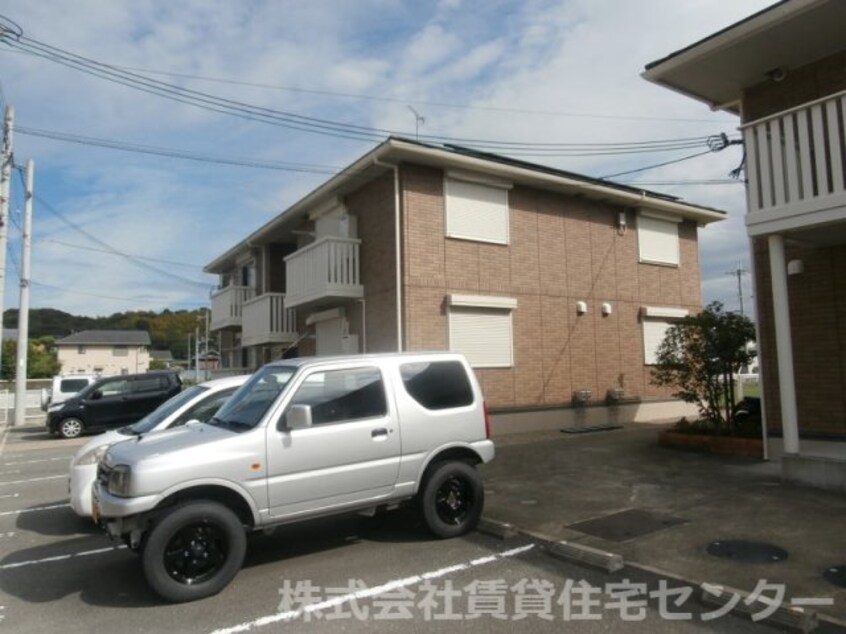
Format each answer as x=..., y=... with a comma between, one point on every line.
x=116, y=230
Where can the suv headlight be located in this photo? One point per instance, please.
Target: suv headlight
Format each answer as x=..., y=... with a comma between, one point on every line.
x=119, y=480
x=93, y=456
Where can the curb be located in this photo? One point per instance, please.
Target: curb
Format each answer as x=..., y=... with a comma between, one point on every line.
x=784, y=616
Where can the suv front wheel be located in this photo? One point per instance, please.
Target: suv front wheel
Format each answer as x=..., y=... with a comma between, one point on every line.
x=194, y=551
x=452, y=499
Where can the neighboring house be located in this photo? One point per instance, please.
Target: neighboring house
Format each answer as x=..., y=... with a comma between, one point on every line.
x=105, y=352
x=551, y=283
x=208, y=360
x=783, y=70
x=163, y=356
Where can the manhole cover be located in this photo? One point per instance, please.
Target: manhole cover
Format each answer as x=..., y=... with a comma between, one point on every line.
x=747, y=552
x=836, y=575
x=618, y=527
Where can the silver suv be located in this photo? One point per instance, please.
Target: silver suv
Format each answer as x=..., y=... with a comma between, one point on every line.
x=302, y=438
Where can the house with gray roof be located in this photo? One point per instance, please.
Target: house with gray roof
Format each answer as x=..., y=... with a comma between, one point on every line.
x=106, y=352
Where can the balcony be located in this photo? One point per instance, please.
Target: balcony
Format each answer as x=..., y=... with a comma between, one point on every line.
x=227, y=305
x=267, y=321
x=326, y=270
x=795, y=169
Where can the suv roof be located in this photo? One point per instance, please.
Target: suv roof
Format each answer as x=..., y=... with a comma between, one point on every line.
x=298, y=361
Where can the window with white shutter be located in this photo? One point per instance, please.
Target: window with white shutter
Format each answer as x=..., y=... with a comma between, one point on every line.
x=481, y=328
x=656, y=322
x=476, y=211
x=658, y=240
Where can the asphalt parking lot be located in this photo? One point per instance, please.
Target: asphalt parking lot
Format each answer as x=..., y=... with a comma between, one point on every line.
x=60, y=573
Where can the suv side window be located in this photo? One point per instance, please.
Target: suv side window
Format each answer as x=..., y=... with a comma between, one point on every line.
x=437, y=384
x=205, y=409
x=149, y=384
x=343, y=395
x=116, y=388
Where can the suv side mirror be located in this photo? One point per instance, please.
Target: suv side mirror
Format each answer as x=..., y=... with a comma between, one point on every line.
x=95, y=395
x=298, y=417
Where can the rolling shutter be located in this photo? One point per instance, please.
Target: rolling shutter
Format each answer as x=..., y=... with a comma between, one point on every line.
x=476, y=212
x=483, y=335
x=654, y=331
x=658, y=240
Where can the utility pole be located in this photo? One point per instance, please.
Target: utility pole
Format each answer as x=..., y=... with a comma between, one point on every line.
x=197, y=354
x=5, y=196
x=739, y=272
x=23, y=306
x=206, y=373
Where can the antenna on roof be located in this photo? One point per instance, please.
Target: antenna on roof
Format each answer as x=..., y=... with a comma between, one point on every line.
x=418, y=121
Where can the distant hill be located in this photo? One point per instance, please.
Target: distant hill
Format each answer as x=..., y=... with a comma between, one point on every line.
x=168, y=330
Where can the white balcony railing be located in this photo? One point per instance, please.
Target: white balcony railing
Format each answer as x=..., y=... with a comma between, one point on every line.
x=795, y=165
x=266, y=320
x=226, y=306
x=326, y=269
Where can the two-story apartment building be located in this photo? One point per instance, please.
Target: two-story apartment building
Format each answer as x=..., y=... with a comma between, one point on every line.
x=783, y=70
x=557, y=287
x=105, y=352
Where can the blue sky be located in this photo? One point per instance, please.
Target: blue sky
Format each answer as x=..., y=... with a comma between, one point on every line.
x=523, y=70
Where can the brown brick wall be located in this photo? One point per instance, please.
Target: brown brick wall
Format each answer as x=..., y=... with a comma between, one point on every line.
x=818, y=324
x=800, y=85
x=373, y=205
x=562, y=250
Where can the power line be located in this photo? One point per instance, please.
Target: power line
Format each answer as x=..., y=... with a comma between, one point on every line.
x=301, y=122
x=649, y=167
x=139, y=257
x=115, y=251
x=175, y=153
x=123, y=299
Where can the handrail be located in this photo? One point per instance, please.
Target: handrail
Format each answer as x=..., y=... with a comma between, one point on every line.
x=318, y=242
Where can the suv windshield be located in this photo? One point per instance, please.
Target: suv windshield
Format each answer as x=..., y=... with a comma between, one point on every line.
x=248, y=405
x=151, y=420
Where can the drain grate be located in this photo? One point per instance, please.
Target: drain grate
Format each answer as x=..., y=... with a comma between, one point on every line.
x=618, y=527
x=747, y=552
x=836, y=575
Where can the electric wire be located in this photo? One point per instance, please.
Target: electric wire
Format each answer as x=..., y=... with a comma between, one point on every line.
x=305, y=123
x=649, y=167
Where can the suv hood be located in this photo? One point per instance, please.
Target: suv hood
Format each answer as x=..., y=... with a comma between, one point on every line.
x=165, y=442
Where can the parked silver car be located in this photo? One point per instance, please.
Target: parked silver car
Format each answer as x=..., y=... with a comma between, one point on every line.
x=198, y=402
x=302, y=438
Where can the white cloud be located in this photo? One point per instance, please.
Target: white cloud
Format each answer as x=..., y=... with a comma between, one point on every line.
x=536, y=59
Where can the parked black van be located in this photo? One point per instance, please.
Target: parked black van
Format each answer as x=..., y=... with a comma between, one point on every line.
x=112, y=402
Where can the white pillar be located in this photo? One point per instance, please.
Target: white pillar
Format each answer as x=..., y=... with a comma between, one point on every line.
x=784, y=345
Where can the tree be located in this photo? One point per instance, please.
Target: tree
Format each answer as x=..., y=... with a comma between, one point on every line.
x=42, y=363
x=700, y=356
x=156, y=364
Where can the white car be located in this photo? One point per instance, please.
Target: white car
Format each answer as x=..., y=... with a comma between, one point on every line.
x=199, y=402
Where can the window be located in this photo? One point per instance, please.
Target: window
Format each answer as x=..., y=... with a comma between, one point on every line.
x=120, y=351
x=476, y=211
x=149, y=384
x=115, y=388
x=480, y=328
x=205, y=409
x=658, y=239
x=80, y=349
x=343, y=395
x=656, y=322
x=437, y=385
x=72, y=385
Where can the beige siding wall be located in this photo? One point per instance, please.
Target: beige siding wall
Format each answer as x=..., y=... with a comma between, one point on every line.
x=103, y=360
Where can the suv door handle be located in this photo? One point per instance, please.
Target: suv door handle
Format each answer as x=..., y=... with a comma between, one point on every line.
x=379, y=433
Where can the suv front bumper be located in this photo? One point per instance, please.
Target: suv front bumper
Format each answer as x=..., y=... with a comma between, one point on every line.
x=106, y=506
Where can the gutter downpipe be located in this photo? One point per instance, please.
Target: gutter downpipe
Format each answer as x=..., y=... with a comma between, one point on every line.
x=397, y=241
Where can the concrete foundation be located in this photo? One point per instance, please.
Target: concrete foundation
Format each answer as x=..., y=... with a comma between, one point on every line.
x=823, y=473
x=589, y=416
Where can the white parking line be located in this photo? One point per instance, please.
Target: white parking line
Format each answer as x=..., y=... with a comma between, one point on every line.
x=370, y=592
x=9, y=495
x=62, y=458
x=5, y=473
x=37, y=508
x=55, y=477
x=47, y=560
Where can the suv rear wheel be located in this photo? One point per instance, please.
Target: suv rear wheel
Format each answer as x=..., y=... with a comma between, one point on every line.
x=452, y=499
x=194, y=551
x=71, y=428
